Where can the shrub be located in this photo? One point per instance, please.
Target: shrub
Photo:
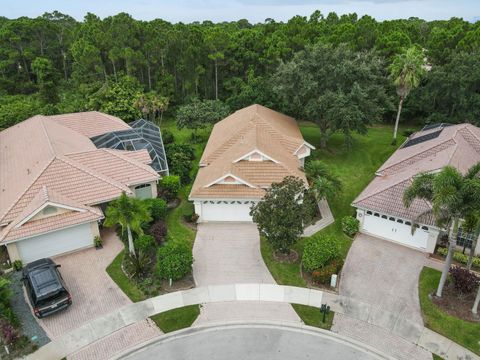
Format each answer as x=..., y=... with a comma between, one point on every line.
x=324, y=274
x=5, y=295
x=9, y=334
x=137, y=265
x=158, y=208
x=464, y=280
x=350, y=225
x=145, y=243
x=97, y=241
x=167, y=137
x=458, y=256
x=170, y=186
x=320, y=251
x=159, y=231
x=179, y=157
x=407, y=132
x=174, y=261
x=17, y=265
x=187, y=150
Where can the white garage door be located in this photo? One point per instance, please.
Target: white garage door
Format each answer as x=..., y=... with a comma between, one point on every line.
x=55, y=243
x=226, y=211
x=395, y=229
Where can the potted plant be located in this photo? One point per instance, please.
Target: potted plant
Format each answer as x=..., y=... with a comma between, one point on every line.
x=97, y=241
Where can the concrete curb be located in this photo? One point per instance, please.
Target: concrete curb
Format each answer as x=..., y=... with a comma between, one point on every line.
x=108, y=324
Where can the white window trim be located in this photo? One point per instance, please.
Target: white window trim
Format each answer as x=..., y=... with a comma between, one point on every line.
x=48, y=203
x=241, y=181
x=258, y=152
x=306, y=144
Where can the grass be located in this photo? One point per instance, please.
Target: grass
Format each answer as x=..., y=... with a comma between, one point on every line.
x=312, y=316
x=462, y=332
x=177, y=318
x=128, y=287
x=355, y=167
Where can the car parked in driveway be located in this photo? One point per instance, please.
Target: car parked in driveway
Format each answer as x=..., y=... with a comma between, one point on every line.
x=45, y=287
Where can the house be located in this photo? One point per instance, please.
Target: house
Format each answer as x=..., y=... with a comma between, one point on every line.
x=380, y=208
x=246, y=152
x=55, y=183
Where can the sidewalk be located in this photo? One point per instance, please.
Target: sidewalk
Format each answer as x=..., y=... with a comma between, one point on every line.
x=393, y=324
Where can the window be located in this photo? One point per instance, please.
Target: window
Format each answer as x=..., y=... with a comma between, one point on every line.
x=408, y=223
x=425, y=228
x=391, y=218
x=369, y=212
x=376, y=214
x=400, y=221
x=384, y=216
x=465, y=239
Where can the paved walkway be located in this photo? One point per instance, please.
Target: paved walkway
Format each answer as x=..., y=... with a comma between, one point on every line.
x=327, y=219
x=393, y=324
x=230, y=253
x=95, y=294
x=375, y=272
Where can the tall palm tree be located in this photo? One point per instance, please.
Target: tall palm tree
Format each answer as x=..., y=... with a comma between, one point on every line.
x=323, y=183
x=453, y=196
x=406, y=70
x=130, y=213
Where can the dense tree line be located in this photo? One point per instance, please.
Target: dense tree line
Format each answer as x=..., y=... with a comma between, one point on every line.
x=126, y=67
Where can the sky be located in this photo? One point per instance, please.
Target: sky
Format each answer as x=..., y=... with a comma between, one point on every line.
x=254, y=10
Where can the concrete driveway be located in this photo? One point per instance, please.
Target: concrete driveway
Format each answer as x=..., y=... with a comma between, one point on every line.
x=385, y=275
x=229, y=253
x=95, y=294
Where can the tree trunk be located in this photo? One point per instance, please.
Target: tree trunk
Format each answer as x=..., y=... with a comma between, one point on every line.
x=149, y=78
x=216, y=80
x=131, y=248
x=397, y=120
x=477, y=300
x=452, y=243
x=114, y=70
x=472, y=251
x=64, y=59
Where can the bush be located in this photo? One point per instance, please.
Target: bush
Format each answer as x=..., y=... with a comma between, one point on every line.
x=169, y=187
x=137, y=265
x=159, y=232
x=407, y=132
x=9, y=334
x=458, y=256
x=187, y=150
x=145, y=243
x=167, y=137
x=158, y=208
x=320, y=251
x=97, y=241
x=174, y=261
x=5, y=294
x=17, y=265
x=464, y=280
x=350, y=225
x=179, y=157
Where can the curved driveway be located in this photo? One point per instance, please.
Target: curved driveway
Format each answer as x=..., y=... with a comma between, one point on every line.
x=228, y=254
x=253, y=342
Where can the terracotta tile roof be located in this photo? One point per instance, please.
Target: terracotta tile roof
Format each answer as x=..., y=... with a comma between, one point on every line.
x=90, y=123
x=457, y=145
x=116, y=165
x=252, y=129
x=48, y=154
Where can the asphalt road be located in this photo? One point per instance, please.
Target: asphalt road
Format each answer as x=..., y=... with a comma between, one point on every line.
x=252, y=342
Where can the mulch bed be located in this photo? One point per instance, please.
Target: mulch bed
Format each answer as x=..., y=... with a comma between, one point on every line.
x=454, y=305
x=183, y=284
x=314, y=285
x=289, y=258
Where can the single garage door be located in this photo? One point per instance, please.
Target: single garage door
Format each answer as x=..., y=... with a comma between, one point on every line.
x=226, y=210
x=55, y=243
x=395, y=229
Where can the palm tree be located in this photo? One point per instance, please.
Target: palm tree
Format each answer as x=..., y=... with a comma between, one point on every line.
x=453, y=196
x=130, y=213
x=323, y=183
x=477, y=300
x=406, y=71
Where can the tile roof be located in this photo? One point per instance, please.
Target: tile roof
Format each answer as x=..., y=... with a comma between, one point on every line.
x=49, y=153
x=456, y=145
x=254, y=128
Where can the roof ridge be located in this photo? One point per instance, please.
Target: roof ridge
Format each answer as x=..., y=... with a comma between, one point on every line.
x=87, y=170
x=131, y=161
x=45, y=132
x=238, y=133
x=2, y=216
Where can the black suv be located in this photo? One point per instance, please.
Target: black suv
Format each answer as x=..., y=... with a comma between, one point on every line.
x=45, y=287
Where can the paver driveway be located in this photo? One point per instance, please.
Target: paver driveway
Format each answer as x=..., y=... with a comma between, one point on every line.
x=229, y=254
x=386, y=275
x=94, y=294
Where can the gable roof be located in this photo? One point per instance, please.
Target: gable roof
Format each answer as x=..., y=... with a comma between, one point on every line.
x=252, y=129
x=41, y=153
x=456, y=145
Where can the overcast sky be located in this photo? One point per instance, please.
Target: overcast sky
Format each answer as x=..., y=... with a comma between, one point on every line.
x=253, y=10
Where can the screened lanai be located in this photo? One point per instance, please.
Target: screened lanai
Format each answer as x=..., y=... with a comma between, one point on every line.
x=143, y=135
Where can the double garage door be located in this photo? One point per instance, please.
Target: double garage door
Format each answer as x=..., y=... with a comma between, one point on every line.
x=55, y=243
x=226, y=210
x=395, y=229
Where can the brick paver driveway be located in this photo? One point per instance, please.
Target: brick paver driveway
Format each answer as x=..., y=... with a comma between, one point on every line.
x=229, y=254
x=94, y=294
x=386, y=275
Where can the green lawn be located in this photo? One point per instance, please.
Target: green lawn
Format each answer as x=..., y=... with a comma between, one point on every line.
x=356, y=168
x=462, y=332
x=313, y=317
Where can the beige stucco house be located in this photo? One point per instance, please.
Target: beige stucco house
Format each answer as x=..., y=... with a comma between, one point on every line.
x=245, y=154
x=55, y=183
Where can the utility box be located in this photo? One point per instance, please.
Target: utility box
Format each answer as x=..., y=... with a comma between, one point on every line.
x=333, y=281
